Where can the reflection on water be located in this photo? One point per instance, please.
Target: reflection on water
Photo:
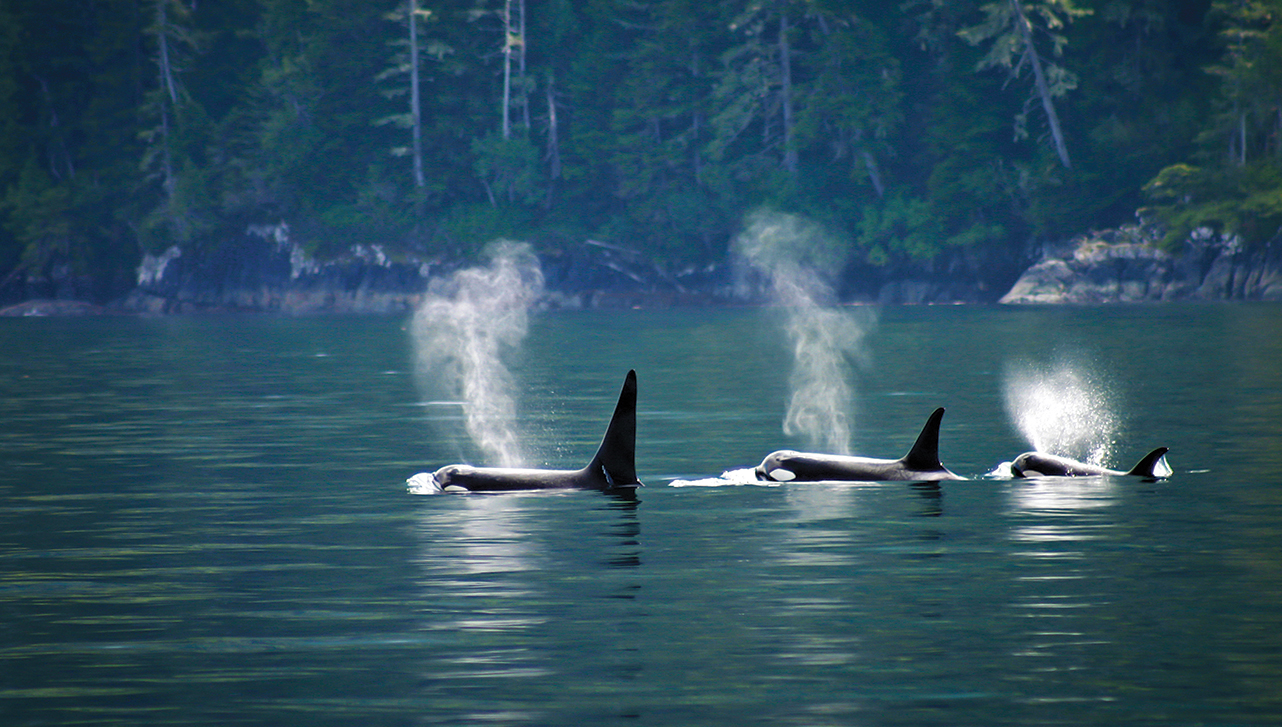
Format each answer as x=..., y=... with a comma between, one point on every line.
x=1050, y=494
x=503, y=581
x=819, y=517
x=489, y=538
x=1062, y=594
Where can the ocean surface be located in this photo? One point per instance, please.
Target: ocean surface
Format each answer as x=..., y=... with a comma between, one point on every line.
x=205, y=521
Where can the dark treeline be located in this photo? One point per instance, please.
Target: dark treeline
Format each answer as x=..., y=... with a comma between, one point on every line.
x=925, y=134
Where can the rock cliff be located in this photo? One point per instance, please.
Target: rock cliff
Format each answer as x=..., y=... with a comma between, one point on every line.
x=1123, y=266
x=266, y=271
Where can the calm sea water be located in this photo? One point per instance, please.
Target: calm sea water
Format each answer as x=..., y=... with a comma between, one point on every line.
x=205, y=522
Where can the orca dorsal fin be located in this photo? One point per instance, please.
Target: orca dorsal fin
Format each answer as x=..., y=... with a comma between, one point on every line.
x=1152, y=465
x=924, y=456
x=615, y=460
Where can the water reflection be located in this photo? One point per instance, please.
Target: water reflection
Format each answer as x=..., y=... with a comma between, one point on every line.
x=930, y=498
x=1062, y=595
x=489, y=538
x=818, y=533
x=822, y=500
x=512, y=583
x=844, y=557
x=1055, y=494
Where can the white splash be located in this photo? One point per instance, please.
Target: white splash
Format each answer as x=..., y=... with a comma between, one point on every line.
x=423, y=483
x=1063, y=408
x=462, y=330
x=746, y=476
x=791, y=252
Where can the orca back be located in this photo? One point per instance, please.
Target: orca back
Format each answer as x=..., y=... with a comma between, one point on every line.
x=615, y=460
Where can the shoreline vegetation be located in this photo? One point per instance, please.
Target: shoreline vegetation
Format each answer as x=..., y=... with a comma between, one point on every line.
x=164, y=156
x=268, y=274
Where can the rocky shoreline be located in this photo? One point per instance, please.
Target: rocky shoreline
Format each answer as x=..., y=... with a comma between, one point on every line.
x=1126, y=266
x=265, y=271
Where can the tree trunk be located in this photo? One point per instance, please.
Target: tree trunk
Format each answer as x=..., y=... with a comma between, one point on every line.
x=785, y=92
x=59, y=156
x=525, y=95
x=1277, y=133
x=696, y=119
x=415, y=108
x=554, y=145
x=162, y=41
x=507, y=69
x=1039, y=77
x=167, y=85
x=1241, y=122
x=874, y=174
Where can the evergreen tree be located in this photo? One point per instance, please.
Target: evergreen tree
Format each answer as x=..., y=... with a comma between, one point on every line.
x=1011, y=28
x=69, y=165
x=171, y=136
x=407, y=62
x=659, y=125
x=1237, y=190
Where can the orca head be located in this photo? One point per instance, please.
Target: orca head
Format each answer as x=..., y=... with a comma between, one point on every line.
x=773, y=469
x=450, y=477
x=1037, y=464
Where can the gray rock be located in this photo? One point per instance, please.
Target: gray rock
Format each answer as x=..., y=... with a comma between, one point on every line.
x=1132, y=270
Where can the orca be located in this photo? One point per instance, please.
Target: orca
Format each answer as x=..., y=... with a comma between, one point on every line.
x=612, y=469
x=1036, y=464
x=921, y=464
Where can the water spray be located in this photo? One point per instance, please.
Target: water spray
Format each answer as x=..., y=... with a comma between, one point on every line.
x=791, y=251
x=1063, y=408
x=461, y=331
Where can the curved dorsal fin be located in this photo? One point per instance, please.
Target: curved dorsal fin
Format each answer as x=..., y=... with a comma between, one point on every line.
x=1148, y=465
x=924, y=455
x=615, y=460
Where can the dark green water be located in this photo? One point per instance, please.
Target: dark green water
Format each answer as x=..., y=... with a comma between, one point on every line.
x=205, y=521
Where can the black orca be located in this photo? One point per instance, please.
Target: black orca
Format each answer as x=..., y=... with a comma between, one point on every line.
x=1036, y=464
x=921, y=464
x=613, y=467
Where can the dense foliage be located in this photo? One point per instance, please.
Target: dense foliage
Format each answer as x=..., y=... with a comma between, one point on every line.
x=921, y=133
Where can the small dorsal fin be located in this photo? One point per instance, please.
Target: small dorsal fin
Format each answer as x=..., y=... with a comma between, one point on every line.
x=1147, y=467
x=615, y=460
x=924, y=456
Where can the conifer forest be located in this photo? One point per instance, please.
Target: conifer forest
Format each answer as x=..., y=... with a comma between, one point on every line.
x=921, y=134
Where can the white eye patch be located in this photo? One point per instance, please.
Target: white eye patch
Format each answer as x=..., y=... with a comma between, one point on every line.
x=782, y=475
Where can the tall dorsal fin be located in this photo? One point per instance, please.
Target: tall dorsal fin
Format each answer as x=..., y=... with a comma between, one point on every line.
x=615, y=460
x=1148, y=465
x=924, y=456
